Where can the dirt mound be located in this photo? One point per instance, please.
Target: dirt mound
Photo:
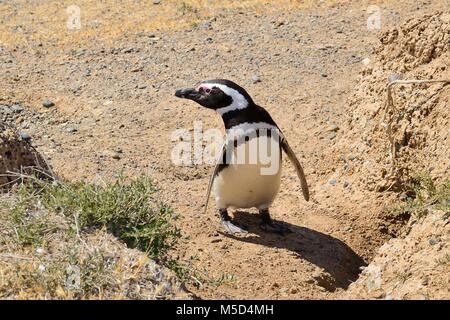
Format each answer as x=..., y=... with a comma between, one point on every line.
x=415, y=267
x=16, y=155
x=419, y=49
x=384, y=149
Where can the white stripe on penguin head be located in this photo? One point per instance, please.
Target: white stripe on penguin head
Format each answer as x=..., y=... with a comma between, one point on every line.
x=238, y=100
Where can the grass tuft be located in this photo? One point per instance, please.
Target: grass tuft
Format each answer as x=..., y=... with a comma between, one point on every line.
x=420, y=196
x=125, y=208
x=423, y=194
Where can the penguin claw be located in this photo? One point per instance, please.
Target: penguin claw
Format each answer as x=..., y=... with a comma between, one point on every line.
x=275, y=227
x=231, y=228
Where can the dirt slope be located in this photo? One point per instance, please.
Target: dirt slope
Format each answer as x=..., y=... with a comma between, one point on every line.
x=419, y=49
x=115, y=111
x=413, y=267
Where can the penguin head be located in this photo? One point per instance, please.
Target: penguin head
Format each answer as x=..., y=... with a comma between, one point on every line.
x=219, y=94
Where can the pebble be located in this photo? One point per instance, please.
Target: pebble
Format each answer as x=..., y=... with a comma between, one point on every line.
x=205, y=25
x=48, y=104
x=433, y=240
x=156, y=1
x=256, y=78
x=333, y=128
x=345, y=184
x=394, y=76
x=332, y=181
x=71, y=130
x=16, y=108
x=25, y=136
x=283, y=290
x=127, y=50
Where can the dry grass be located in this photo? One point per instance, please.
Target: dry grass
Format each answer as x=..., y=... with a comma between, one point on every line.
x=34, y=21
x=66, y=240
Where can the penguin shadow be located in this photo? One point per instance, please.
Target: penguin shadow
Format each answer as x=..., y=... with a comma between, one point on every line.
x=340, y=263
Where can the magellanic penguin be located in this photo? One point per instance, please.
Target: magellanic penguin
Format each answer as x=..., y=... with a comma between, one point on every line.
x=243, y=177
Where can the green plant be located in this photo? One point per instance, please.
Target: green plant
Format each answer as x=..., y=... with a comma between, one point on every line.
x=421, y=194
x=125, y=208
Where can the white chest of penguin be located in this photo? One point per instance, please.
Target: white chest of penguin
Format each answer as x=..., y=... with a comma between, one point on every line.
x=252, y=175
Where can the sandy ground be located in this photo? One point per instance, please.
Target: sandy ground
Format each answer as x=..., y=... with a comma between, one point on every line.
x=113, y=81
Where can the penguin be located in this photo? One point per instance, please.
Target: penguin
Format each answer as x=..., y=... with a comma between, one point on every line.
x=243, y=177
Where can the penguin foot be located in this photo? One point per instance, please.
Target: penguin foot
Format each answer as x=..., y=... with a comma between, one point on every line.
x=231, y=228
x=275, y=227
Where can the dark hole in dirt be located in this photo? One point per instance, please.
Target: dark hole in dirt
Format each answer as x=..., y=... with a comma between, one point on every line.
x=340, y=263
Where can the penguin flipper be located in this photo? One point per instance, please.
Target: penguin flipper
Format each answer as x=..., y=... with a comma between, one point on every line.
x=298, y=167
x=211, y=179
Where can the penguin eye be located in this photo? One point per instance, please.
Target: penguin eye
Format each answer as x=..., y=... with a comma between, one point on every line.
x=208, y=90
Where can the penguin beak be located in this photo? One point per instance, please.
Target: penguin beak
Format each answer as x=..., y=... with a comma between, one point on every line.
x=189, y=93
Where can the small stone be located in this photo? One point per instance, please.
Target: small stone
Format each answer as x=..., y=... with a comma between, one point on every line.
x=17, y=108
x=323, y=75
x=209, y=40
x=48, y=104
x=332, y=181
x=141, y=86
x=283, y=290
x=25, y=136
x=433, y=240
x=333, y=128
x=205, y=25
x=71, y=130
x=116, y=155
x=394, y=76
x=216, y=240
x=345, y=184
x=156, y=1
x=127, y=50
x=256, y=78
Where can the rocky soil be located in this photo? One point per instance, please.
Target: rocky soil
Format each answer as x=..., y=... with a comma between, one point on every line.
x=419, y=49
x=413, y=267
x=99, y=100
